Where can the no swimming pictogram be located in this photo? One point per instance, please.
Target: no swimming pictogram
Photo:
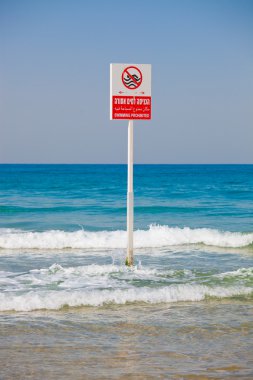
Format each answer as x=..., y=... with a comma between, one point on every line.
x=131, y=77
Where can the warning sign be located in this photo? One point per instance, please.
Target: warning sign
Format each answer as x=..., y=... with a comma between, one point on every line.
x=130, y=87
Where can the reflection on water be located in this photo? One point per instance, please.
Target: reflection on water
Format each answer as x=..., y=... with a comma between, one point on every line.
x=207, y=340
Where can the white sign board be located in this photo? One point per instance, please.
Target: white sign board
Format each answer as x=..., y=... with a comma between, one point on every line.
x=130, y=91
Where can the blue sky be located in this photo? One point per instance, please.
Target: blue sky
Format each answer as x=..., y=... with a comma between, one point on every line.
x=54, y=79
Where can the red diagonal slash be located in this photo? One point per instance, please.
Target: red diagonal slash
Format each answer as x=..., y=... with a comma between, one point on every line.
x=131, y=77
x=135, y=81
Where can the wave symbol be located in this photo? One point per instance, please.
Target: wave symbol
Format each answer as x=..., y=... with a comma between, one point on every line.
x=129, y=82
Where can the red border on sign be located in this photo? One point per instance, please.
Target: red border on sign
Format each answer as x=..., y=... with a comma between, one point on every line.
x=133, y=79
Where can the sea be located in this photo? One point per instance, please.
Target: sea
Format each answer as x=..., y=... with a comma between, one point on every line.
x=71, y=309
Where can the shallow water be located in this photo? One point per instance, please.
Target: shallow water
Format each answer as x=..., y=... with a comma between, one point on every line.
x=84, y=315
x=207, y=340
x=69, y=308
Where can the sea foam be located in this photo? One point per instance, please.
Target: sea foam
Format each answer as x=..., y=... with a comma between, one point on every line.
x=55, y=300
x=154, y=237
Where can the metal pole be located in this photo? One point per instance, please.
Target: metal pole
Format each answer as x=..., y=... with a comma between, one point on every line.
x=130, y=197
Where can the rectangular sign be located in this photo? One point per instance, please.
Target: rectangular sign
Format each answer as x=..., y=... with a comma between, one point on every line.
x=130, y=91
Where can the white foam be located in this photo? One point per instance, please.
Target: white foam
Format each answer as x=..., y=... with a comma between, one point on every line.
x=240, y=273
x=154, y=237
x=92, y=269
x=54, y=300
x=90, y=276
x=98, y=285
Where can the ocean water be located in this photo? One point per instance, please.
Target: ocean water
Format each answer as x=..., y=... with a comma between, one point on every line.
x=69, y=308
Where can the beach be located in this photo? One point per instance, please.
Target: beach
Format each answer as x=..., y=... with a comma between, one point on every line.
x=70, y=308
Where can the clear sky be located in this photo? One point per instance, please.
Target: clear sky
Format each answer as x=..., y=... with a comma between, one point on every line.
x=54, y=80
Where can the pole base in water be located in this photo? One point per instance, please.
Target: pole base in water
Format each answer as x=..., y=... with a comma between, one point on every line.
x=129, y=262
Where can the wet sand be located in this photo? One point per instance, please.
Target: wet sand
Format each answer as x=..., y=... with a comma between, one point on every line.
x=207, y=340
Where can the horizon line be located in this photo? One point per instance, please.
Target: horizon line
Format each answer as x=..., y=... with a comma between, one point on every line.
x=91, y=163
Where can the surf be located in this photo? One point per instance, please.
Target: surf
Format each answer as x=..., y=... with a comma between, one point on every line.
x=156, y=236
x=55, y=300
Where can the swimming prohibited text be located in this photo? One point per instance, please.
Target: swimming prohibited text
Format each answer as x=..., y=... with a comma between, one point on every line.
x=132, y=107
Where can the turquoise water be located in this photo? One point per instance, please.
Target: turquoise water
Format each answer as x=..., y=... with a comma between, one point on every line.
x=42, y=197
x=189, y=294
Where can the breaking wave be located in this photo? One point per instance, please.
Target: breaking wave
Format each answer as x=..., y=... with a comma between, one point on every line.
x=154, y=237
x=98, y=285
x=55, y=300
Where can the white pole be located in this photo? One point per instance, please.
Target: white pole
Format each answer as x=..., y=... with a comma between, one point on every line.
x=130, y=197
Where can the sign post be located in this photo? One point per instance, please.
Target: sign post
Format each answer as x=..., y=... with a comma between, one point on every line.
x=130, y=99
x=130, y=196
